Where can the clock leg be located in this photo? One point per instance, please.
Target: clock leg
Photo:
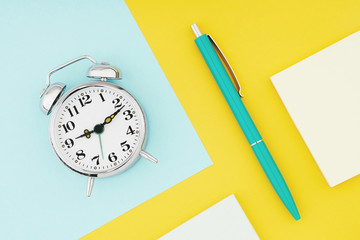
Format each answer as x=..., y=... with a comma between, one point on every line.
x=148, y=156
x=90, y=186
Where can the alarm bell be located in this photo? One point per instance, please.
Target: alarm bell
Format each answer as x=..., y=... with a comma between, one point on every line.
x=103, y=71
x=50, y=96
x=52, y=93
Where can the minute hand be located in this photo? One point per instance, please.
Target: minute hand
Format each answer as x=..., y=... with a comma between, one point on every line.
x=110, y=118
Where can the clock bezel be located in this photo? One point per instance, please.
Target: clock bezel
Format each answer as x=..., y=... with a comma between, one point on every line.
x=121, y=167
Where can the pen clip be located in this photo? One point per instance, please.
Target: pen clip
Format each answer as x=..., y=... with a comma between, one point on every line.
x=230, y=70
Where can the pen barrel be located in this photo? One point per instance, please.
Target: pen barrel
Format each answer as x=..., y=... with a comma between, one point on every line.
x=276, y=179
x=247, y=125
x=227, y=88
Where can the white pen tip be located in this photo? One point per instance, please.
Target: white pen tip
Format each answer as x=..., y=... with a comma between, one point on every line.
x=196, y=30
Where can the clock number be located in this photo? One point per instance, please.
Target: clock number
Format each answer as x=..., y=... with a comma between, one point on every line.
x=128, y=115
x=69, y=143
x=71, y=112
x=80, y=154
x=85, y=100
x=117, y=103
x=125, y=146
x=70, y=125
x=102, y=97
x=97, y=158
x=112, y=157
x=130, y=131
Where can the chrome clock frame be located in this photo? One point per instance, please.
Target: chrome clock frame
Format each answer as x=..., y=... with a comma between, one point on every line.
x=122, y=167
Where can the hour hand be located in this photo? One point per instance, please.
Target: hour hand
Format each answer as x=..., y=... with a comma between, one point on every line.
x=86, y=134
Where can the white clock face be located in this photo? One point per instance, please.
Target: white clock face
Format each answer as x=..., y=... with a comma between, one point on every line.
x=97, y=129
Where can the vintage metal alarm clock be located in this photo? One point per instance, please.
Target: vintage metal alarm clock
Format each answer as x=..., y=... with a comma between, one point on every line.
x=97, y=129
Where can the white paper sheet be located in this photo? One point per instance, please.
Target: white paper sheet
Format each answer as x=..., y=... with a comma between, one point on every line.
x=322, y=96
x=224, y=220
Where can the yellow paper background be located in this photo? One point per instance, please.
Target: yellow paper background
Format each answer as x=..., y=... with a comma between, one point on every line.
x=259, y=38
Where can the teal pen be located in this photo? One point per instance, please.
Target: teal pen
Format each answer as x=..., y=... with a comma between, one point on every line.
x=211, y=52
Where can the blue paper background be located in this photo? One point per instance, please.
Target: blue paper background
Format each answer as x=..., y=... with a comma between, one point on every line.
x=39, y=197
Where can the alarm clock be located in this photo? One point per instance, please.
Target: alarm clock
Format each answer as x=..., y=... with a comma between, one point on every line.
x=96, y=129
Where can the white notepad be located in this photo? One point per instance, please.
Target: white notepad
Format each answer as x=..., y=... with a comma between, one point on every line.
x=224, y=220
x=322, y=96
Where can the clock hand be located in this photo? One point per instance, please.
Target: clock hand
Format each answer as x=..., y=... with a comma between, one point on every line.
x=102, y=152
x=99, y=128
x=110, y=118
x=86, y=134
